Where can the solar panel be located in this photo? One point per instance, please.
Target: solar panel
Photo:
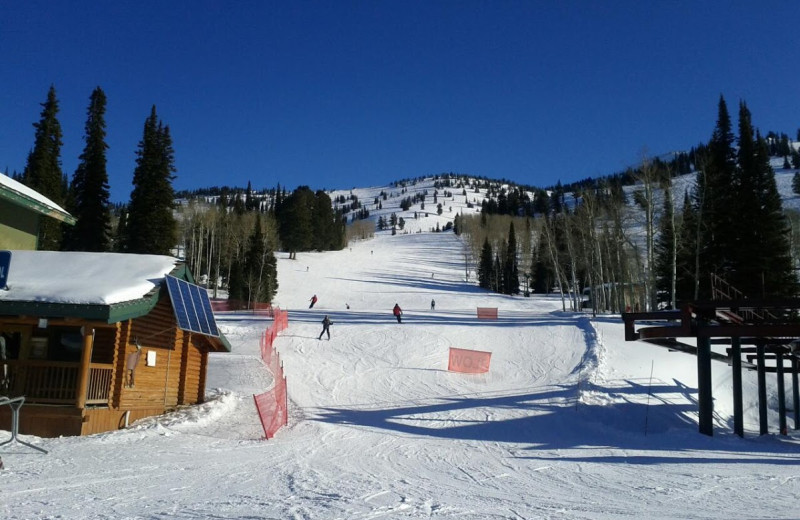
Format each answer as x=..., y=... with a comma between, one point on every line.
x=192, y=307
x=177, y=303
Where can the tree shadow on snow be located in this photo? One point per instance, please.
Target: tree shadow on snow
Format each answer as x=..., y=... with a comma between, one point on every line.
x=550, y=419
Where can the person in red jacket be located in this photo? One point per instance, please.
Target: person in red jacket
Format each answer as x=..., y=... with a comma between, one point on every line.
x=398, y=313
x=313, y=301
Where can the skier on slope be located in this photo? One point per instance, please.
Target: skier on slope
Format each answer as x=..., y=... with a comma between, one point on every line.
x=313, y=300
x=326, y=324
x=398, y=312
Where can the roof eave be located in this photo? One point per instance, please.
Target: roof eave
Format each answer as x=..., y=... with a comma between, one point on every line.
x=37, y=206
x=91, y=312
x=112, y=313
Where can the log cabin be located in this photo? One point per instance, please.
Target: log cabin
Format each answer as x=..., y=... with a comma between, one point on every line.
x=95, y=341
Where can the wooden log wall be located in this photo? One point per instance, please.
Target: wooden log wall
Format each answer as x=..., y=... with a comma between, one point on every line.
x=99, y=420
x=155, y=384
x=45, y=421
x=178, y=377
x=195, y=368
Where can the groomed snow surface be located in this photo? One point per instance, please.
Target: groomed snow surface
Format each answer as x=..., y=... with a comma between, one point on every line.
x=570, y=422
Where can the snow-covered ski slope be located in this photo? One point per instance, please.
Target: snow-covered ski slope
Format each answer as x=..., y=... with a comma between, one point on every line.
x=455, y=201
x=567, y=424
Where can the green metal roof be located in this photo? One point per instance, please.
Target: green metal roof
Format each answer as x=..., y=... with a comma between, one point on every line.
x=21, y=199
x=112, y=313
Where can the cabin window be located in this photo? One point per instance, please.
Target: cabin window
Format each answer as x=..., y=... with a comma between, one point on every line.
x=64, y=343
x=10, y=345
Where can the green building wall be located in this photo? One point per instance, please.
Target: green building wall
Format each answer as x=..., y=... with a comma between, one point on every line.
x=19, y=227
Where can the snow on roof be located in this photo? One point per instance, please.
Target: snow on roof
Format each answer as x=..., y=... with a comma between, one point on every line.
x=83, y=278
x=20, y=188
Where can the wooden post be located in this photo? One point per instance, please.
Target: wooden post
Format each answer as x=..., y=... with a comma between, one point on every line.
x=796, y=393
x=704, y=387
x=201, y=387
x=736, y=366
x=781, y=393
x=762, y=388
x=86, y=362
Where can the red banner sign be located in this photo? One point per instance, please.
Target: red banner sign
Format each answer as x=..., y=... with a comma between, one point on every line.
x=487, y=313
x=469, y=361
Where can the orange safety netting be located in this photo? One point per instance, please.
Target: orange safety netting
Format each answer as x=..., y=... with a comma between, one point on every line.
x=272, y=405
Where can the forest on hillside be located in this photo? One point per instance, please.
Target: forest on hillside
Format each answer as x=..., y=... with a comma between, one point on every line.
x=631, y=238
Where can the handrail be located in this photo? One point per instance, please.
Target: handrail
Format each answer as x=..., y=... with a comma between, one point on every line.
x=54, y=382
x=722, y=290
x=15, y=403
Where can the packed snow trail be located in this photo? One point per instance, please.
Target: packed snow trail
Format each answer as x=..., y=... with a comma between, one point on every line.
x=378, y=427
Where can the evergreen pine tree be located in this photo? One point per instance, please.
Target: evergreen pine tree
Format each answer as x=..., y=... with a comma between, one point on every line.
x=89, y=190
x=556, y=202
x=249, y=201
x=323, y=229
x=43, y=169
x=260, y=268
x=122, y=231
x=485, y=266
x=687, y=262
x=541, y=272
x=497, y=271
x=510, y=264
x=748, y=208
x=295, y=221
x=151, y=225
x=236, y=282
x=716, y=189
x=761, y=261
x=772, y=263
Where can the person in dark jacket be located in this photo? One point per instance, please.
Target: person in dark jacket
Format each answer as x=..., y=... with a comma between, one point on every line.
x=398, y=313
x=326, y=324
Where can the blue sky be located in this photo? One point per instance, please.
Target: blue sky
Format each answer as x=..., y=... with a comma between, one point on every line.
x=342, y=94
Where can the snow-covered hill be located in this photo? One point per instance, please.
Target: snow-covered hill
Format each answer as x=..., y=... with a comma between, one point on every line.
x=423, y=216
x=571, y=422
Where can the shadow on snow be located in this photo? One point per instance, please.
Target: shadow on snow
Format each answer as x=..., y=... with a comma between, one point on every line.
x=552, y=419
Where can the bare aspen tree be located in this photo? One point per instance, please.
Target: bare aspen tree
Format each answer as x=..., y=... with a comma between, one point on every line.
x=647, y=179
x=700, y=198
x=572, y=241
x=586, y=229
x=548, y=230
x=669, y=201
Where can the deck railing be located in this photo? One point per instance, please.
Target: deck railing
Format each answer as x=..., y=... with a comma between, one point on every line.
x=53, y=382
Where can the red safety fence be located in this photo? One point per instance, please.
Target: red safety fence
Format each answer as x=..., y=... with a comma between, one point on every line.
x=272, y=405
x=469, y=361
x=487, y=313
x=280, y=321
